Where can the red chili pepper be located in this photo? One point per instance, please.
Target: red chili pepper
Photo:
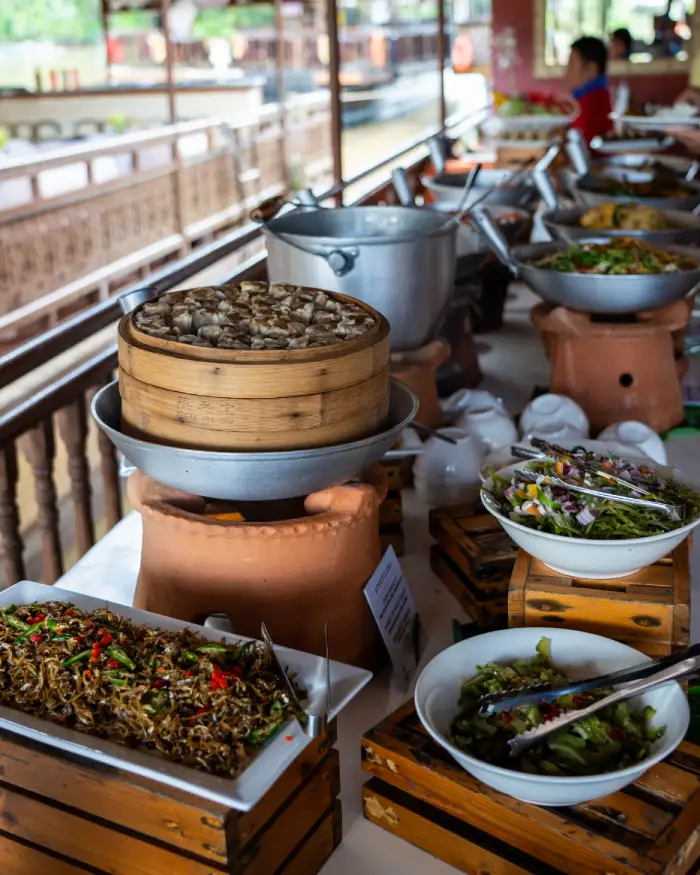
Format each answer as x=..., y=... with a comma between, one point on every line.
x=236, y=672
x=40, y=618
x=69, y=612
x=89, y=625
x=31, y=621
x=506, y=717
x=79, y=639
x=159, y=683
x=160, y=669
x=189, y=674
x=218, y=680
x=198, y=714
x=59, y=631
x=35, y=638
x=87, y=673
x=106, y=640
x=289, y=738
x=113, y=664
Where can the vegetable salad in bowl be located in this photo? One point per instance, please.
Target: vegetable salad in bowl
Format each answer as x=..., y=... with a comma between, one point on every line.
x=621, y=257
x=541, y=507
x=553, y=508
x=613, y=739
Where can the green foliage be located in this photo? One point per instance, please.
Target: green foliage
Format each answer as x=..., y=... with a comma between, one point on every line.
x=62, y=21
x=224, y=22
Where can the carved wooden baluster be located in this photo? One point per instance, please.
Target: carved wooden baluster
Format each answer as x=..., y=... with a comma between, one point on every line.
x=72, y=425
x=110, y=476
x=39, y=447
x=11, y=544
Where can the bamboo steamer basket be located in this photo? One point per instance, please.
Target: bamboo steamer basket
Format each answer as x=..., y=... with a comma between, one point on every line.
x=238, y=400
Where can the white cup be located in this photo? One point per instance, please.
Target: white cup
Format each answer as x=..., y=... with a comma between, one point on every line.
x=492, y=426
x=549, y=413
x=637, y=435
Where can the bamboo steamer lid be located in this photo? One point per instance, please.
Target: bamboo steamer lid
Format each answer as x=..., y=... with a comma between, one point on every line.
x=238, y=400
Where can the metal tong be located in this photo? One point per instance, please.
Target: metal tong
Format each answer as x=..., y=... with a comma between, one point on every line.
x=639, y=679
x=675, y=511
x=314, y=725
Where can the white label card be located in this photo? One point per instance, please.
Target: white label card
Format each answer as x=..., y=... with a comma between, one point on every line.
x=394, y=611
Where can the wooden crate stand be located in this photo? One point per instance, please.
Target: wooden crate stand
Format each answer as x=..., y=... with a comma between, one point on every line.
x=65, y=815
x=649, y=610
x=391, y=522
x=420, y=794
x=473, y=558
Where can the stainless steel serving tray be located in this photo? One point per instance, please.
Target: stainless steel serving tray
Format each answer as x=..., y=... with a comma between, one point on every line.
x=241, y=793
x=254, y=476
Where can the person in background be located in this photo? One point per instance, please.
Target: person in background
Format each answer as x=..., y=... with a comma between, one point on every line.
x=585, y=76
x=620, y=45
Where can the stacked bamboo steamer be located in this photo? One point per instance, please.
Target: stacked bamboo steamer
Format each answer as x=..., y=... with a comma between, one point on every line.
x=236, y=400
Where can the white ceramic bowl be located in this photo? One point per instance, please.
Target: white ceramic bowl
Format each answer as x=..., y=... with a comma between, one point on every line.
x=639, y=435
x=592, y=559
x=579, y=655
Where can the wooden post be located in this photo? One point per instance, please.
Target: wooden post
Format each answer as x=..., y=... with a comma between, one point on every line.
x=172, y=111
x=441, y=60
x=279, y=78
x=105, y=28
x=336, y=106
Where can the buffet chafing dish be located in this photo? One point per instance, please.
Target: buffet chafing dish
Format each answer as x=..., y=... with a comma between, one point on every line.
x=565, y=224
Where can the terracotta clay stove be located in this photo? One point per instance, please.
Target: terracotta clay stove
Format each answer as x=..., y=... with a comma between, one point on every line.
x=292, y=564
x=618, y=368
x=417, y=368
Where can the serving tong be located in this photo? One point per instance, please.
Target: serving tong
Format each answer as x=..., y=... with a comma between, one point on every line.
x=313, y=724
x=639, y=678
x=675, y=511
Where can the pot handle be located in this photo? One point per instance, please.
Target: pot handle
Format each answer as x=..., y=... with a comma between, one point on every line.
x=495, y=238
x=402, y=187
x=437, y=148
x=340, y=261
x=577, y=150
x=543, y=180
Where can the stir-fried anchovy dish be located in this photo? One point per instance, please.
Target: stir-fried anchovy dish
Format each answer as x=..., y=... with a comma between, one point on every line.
x=610, y=740
x=552, y=508
x=197, y=702
x=623, y=256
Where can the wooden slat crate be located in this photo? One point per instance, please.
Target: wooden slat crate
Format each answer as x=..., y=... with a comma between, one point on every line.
x=649, y=610
x=391, y=522
x=486, y=601
x=394, y=474
x=64, y=815
x=421, y=795
x=473, y=558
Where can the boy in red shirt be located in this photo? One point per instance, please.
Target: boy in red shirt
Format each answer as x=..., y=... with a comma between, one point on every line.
x=585, y=76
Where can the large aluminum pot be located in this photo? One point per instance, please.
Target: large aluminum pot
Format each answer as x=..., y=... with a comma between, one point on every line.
x=400, y=260
x=448, y=189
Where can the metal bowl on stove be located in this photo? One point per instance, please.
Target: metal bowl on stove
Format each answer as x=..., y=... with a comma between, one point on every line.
x=565, y=224
x=254, y=476
x=592, y=293
x=447, y=189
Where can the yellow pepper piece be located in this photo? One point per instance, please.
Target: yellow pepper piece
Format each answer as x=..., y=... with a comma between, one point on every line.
x=559, y=467
x=532, y=490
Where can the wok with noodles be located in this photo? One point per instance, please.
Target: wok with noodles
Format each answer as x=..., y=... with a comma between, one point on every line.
x=625, y=217
x=623, y=256
x=197, y=702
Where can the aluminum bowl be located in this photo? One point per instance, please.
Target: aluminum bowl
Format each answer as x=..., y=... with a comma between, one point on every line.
x=254, y=476
x=591, y=559
x=579, y=655
x=447, y=189
x=588, y=192
x=565, y=224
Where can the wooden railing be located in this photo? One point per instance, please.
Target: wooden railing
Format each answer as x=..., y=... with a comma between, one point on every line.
x=164, y=192
x=52, y=457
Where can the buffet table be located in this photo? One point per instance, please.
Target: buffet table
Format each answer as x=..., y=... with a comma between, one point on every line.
x=514, y=363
